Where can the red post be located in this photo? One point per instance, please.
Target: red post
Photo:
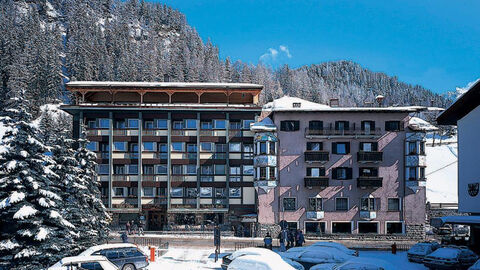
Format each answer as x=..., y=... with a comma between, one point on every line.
x=152, y=254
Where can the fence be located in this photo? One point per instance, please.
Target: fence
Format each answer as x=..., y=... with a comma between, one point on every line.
x=150, y=241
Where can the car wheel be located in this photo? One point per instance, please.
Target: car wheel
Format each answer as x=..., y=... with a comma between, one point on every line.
x=128, y=267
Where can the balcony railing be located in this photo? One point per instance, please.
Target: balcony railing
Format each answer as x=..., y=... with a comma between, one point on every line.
x=369, y=156
x=121, y=177
x=316, y=156
x=321, y=181
x=102, y=155
x=369, y=182
x=342, y=132
x=128, y=203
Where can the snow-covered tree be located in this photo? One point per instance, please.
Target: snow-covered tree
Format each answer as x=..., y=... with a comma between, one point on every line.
x=33, y=232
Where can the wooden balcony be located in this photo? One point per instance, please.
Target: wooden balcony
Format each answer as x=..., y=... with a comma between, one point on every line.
x=369, y=182
x=316, y=156
x=369, y=156
x=321, y=181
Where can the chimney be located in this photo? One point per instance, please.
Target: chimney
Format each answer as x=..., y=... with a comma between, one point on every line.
x=379, y=100
x=334, y=102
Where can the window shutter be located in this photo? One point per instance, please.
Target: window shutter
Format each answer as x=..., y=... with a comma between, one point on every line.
x=362, y=125
x=375, y=146
x=347, y=125
x=347, y=148
x=372, y=125
x=334, y=173
x=349, y=173
x=296, y=125
x=321, y=146
x=334, y=148
x=309, y=171
x=282, y=125
x=322, y=171
x=377, y=204
x=361, y=146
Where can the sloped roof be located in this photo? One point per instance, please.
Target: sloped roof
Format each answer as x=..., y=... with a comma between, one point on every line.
x=419, y=124
x=175, y=85
x=464, y=104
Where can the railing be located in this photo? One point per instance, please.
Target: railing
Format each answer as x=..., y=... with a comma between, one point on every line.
x=316, y=156
x=152, y=132
x=178, y=132
x=219, y=156
x=150, y=241
x=321, y=181
x=121, y=177
x=342, y=132
x=102, y=155
x=128, y=203
x=162, y=201
x=146, y=177
x=369, y=182
x=369, y=156
x=177, y=178
x=234, y=133
x=131, y=155
x=162, y=155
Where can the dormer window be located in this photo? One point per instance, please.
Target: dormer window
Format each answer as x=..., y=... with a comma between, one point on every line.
x=296, y=104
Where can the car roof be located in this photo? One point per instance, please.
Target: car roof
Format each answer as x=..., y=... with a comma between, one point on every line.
x=94, y=249
x=82, y=259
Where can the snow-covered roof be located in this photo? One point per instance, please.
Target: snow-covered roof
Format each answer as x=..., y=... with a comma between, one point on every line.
x=82, y=259
x=164, y=84
x=416, y=123
x=94, y=249
x=468, y=101
x=286, y=103
x=467, y=220
x=265, y=125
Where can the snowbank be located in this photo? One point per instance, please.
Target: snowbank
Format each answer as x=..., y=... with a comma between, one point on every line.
x=441, y=172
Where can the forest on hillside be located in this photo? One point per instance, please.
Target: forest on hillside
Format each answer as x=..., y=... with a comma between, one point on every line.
x=46, y=43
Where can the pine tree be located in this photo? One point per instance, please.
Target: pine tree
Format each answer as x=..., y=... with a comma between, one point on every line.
x=33, y=232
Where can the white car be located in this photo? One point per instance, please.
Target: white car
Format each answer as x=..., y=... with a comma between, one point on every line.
x=83, y=262
x=450, y=257
x=418, y=251
x=255, y=262
x=338, y=246
x=312, y=255
x=357, y=264
x=227, y=260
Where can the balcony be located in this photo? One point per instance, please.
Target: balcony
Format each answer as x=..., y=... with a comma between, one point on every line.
x=265, y=184
x=369, y=156
x=316, y=156
x=128, y=203
x=320, y=181
x=315, y=215
x=332, y=132
x=368, y=215
x=102, y=155
x=369, y=182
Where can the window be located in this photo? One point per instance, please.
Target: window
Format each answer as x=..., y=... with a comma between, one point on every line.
x=191, y=192
x=248, y=148
x=247, y=169
x=132, y=169
x=263, y=148
x=341, y=148
x=149, y=124
x=191, y=169
x=422, y=173
x=103, y=123
x=289, y=125
x=412, y=148
x=368, y=172
x=103, y=169
x=120, y=146
x=235, y=171
x=341, y=204
x=206, y=178
x=315, y=125
x=206, y=192
x=207, y=169
x=177, y=125
x=177, y=169
x=314, y=146
x=247, y=123
x=190, y=123
x=176, y=192
x=296, y=104
x=235, y=192
x=163, y=148
x=341, y=227
x=219, y=124
x=132, y=123
x=161, y=169
x=177, y=146
x=132, y=191
x=412, y=173
x=149, y=146
x=315, y=204
x=148, y=192
x=394, y=227
x=162, y=124
x=271, y=171
x=422, y=148
x=220, y=193
x=148, y=169
x=119, y=124
x=104, y=147
x=341, y=125
x=289, y=204
x=92, y=124
x=342, y=173
x=393, y=204
x=220, y=148
x=118, y=191
x=235, y=125
x=92, y=146
x=118, y=169
x=220, y=169
x=206, y=147
x=263, y=173
x=315, y=172
x=162, y=192
x=367, y=227
x=133, y=147
x=314, y=228
x=392, y=125
x=367, y=204
x=368, y=146
x=271, y=146
x=368, y=125
x=235, y=147
x=191, y=148
x=206, y=125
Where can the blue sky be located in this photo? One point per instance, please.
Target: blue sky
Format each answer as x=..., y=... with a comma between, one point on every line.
x=434, y=43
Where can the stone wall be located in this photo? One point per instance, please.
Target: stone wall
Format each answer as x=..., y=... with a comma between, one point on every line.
x=273, y=229
x=415, y=232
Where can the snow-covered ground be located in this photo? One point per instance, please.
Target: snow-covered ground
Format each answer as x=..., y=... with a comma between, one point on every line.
x=441, y=171
x=187, y=259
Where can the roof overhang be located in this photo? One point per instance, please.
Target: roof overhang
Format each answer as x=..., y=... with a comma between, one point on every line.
x=464, y=104
x=462, y=220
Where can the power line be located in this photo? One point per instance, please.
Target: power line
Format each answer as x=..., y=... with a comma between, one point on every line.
x=442, y=167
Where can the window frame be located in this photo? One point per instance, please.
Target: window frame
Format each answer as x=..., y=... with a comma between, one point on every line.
x=389, y=128
x=315, y=208
x=336, y=205
x=399, y=208
x=284, y=199
x=289, y=125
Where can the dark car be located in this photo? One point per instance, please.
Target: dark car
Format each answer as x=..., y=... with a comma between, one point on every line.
x=130, y=258
x=450, y=257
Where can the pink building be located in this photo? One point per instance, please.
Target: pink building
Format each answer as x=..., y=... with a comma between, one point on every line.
x=336, y=170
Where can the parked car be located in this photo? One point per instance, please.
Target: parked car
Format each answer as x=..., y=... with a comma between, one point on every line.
x=312, y=255
x=476, y=266
x=450, y=257
x=84, y=262
x=251, y=262
x=338, y=246
x=418, y=251
x=124, y=256
x=227, y=259
x=357, y=264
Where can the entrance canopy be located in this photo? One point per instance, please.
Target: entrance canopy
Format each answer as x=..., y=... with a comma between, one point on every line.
x=462, y=220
